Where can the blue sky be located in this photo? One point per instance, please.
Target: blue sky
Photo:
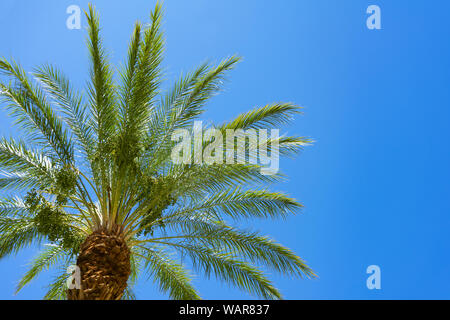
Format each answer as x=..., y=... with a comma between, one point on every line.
x=376, y=183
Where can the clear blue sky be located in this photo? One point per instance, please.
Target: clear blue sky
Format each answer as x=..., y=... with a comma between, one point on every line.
x=376, y=184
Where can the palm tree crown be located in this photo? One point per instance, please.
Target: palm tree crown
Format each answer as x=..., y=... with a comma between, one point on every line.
x=93, y=178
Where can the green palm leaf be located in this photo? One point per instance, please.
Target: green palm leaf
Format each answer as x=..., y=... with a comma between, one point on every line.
x=46, y=259
x=170, y=276
x=33, y=113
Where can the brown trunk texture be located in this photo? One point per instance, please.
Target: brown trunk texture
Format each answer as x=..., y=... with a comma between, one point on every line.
x=104, y=263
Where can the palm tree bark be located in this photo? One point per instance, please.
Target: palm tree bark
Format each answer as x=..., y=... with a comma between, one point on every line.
x=104, y=262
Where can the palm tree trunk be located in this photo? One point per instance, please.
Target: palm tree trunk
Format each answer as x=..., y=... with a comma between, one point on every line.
x=104, y=263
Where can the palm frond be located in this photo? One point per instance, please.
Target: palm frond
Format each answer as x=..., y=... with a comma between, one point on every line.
x=46, y=259
x=285, y=145
x=16, y=156
x=269, y=116
x=102, y=98
x=23, y=167
x=229, y=269
x=57, y=290
x=141, y=83
x=12, y=207
x=34, y=114
x=197, y=181
x=17, y=233
x=183, y=104
x=237, y=203
x=204, y=89
x=258, y=249
x=162, y=124
x=170, y=276
x=16, y=181
x=70, y=103
x=129, y=294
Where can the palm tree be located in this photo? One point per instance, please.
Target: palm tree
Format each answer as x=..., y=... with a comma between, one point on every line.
x=95, y=185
